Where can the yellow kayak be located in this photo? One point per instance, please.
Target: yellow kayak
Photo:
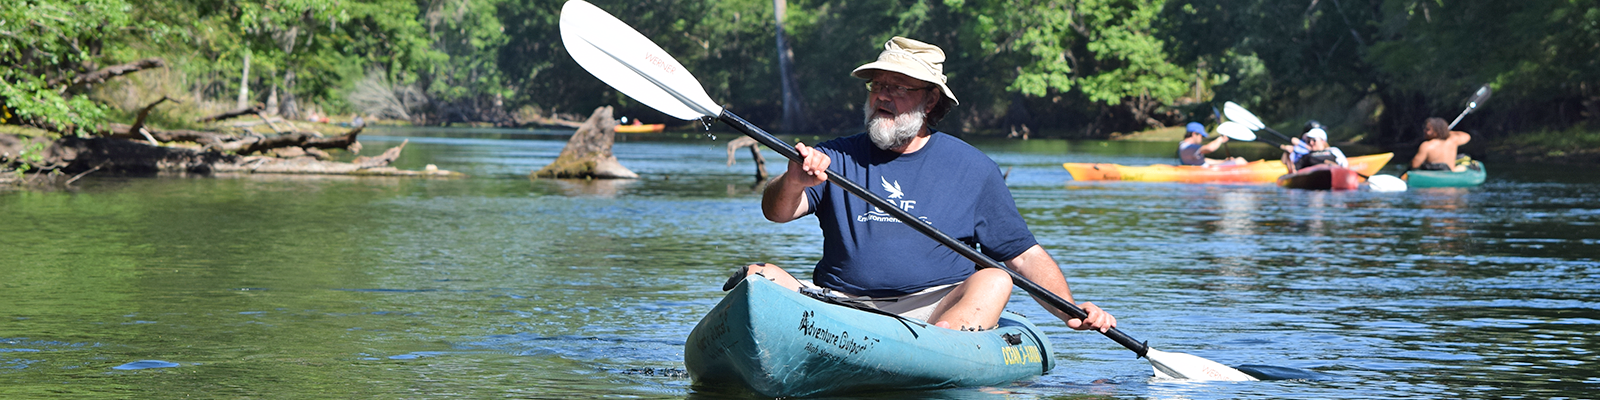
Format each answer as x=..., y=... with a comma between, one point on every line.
x=1261, y=171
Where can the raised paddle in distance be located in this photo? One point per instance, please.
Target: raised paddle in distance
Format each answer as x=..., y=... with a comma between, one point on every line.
x=1377, y=183
x=1473, y=102
x=1237, y=113
x=636, y=66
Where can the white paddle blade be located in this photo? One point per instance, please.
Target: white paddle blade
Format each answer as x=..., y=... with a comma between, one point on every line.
x=1236, y=131
x=1189, y=367
x=1238, y=114
x=623, y=58
x=1386, y=183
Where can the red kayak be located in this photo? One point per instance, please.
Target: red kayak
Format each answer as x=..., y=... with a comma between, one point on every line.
x=1322, y=177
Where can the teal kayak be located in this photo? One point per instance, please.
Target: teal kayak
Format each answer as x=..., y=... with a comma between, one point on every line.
x=775, y=342
x=1473, y=176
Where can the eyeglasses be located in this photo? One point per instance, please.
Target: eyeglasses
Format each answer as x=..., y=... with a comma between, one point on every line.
x=891, y=89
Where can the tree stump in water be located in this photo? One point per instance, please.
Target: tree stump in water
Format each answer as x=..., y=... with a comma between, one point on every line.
x=588, y=153
x=755, y=153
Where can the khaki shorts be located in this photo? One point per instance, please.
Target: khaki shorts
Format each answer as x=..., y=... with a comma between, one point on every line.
x=918, y=306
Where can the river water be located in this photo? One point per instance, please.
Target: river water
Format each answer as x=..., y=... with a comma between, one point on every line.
x=495, y=286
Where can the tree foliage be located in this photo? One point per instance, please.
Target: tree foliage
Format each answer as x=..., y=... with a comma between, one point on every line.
x=1370, y=68
x=1382, y=66
x=44, y=44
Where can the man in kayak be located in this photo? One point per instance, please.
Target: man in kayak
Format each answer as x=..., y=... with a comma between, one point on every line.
x=1312, y=148
x=1438, y=153
x=871, y=256
x=1192, y=152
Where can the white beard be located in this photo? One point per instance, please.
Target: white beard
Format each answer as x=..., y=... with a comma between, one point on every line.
x=894, y=133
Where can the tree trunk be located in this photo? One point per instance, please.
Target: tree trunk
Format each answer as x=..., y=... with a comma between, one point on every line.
x=588, y=153
x=244, y=83
x=794, y=115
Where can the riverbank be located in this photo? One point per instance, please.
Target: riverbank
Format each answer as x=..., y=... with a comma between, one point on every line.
x=1573, y=147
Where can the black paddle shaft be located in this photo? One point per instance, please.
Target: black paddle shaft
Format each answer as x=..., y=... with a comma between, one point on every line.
x=1034, y=289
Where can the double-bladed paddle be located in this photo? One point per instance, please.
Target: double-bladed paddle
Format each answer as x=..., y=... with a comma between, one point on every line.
x=631, y=63
x=1236, y=131
x=1237, y=113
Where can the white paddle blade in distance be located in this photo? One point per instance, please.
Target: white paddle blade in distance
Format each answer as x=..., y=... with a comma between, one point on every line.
x=1192, y=367
x=1237, y=113
x=1386, y=183
x=623, y=58
x=1235, y=131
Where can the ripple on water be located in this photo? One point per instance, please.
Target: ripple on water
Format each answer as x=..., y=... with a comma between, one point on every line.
x=146, y=364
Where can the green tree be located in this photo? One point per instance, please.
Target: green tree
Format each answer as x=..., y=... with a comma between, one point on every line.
x=46, y=45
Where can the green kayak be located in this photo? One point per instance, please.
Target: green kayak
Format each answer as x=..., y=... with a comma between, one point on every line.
x=1473, y=176
x=776, y=342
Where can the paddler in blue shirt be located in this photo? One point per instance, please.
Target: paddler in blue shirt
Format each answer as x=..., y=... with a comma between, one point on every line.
x=869, y=255
x=1191, y=151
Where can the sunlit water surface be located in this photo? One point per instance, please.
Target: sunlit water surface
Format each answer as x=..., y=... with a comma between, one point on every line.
x=498, y=286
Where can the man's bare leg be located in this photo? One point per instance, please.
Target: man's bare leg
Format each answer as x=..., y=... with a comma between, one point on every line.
x=975, y=304
x=773, y=273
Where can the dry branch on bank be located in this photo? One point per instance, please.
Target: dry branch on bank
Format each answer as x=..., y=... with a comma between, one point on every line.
x=82, y=83
x=255, y=109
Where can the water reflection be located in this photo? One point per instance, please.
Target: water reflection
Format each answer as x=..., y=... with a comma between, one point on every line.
x=1443, y=228
x=603, y=188
x=497, y=286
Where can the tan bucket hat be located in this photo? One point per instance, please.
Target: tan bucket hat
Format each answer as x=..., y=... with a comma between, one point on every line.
x=915, y=59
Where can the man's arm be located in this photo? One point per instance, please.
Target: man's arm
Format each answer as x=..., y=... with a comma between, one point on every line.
x=784, y=199
x=1459, y=137
x=1036, y=265
x=1214, y=145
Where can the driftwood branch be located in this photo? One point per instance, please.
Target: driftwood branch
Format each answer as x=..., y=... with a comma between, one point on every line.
x=82, y=82
x=268, y=121
x=380, y=160
x=138, y=123
x=256, y=109
x=755, y=153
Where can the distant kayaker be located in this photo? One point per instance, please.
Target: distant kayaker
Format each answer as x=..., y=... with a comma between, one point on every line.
x=1438, y=152
x=871, y=256
x=1191, y=151
x=1312, y=148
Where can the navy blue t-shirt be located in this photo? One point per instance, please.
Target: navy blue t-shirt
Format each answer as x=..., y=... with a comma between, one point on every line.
x=947, y=183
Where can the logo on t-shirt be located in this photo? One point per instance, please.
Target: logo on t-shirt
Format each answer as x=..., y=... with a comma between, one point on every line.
x=897, y=198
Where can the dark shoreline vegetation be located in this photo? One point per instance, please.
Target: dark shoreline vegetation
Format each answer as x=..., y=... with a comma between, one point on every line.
x=1372, y=70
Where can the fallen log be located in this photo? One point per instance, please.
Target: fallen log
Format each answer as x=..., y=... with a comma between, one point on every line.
x=74, y=155
x=210, y=141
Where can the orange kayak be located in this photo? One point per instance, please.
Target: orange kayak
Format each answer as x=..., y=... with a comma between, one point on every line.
x=1261, y=171
x=640, y=128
